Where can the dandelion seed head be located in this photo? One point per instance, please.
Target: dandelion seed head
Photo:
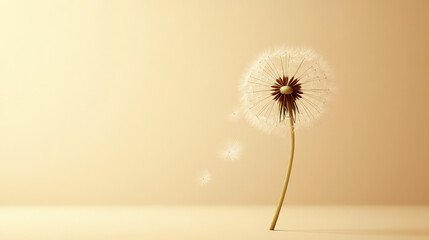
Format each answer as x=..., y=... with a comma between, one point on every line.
x=285, y=83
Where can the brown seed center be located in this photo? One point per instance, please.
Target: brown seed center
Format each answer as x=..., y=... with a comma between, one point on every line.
x=286, y=90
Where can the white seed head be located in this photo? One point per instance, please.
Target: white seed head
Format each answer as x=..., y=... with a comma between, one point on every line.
x=270, y=72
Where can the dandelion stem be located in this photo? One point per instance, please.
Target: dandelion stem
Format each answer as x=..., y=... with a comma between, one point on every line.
x=289, y=169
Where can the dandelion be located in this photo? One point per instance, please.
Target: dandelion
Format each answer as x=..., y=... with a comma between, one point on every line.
x=284, y=89
x=231, y=151
x=204, y=178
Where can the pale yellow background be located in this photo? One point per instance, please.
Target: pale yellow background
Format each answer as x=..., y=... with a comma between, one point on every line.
x=126, y=102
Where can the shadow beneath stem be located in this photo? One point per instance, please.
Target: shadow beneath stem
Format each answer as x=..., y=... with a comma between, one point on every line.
x=386, y=231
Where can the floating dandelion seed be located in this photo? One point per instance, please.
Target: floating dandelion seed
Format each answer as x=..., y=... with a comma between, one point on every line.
x=231, y=151
x=204, y=178
x=286, y=87
x=234, y=115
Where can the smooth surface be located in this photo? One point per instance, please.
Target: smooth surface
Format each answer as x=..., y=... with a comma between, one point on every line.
x=127, y=102
x=214, y=222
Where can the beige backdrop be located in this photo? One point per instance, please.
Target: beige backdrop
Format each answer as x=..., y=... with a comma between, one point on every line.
x=126, y=102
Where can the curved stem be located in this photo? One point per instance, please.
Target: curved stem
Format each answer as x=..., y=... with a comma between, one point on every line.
x=289, y=169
